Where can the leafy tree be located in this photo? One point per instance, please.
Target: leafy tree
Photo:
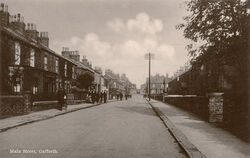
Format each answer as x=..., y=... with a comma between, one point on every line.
x=221, y=29
x=85, y=80
x=221, y=25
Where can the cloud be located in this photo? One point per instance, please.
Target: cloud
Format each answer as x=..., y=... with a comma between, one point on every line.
x=127, y=55
x=116, y=25
x=142, y=23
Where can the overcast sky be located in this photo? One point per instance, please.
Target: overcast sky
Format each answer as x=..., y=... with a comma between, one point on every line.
x=113, y=34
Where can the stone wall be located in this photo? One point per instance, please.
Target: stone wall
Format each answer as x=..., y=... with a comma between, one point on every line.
x=215, y=107
x=14, y=105
x=194, y=104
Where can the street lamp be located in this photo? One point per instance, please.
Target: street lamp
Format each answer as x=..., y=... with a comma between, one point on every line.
x=149, y=56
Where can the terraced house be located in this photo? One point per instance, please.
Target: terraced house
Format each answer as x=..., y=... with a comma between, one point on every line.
x=27, y=62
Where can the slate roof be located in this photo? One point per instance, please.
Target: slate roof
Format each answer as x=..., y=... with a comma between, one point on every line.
x=32, y=42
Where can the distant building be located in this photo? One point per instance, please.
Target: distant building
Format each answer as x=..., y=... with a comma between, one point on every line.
x=158, y=84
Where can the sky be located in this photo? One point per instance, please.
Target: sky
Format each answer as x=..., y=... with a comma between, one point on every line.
x=113, y=34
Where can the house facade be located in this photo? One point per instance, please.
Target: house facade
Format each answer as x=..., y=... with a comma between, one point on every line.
x=27, y=62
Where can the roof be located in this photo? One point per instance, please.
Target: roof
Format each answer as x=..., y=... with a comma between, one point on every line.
x=32, y=42
x=81, y=65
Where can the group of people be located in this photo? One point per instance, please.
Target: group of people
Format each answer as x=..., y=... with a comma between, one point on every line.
x=93, y=96
x=119, y=96
x=98, y=97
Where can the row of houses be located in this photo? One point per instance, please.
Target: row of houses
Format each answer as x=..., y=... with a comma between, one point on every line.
x=29, y=65
x=158, y=85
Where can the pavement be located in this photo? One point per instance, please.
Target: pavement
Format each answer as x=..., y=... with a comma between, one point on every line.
x=120, y=129
x=13, y=122
x=211, y=141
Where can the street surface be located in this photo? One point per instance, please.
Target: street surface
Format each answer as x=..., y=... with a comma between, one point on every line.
x=122, y=129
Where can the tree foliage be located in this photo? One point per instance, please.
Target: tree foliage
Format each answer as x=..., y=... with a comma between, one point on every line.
x=85, y=80
x=221, y=25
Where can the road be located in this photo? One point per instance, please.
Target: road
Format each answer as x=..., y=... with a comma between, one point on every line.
x=121, y=129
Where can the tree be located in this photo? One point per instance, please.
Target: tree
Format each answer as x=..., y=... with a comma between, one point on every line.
x=221, y=28
x=220, y=24
x=85, y=80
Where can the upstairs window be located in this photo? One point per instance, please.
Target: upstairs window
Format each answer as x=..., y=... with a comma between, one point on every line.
x=45, y=61
x=73, y=72
x=65, y=69
x=32, y=58
x=17, y=53
x=57, y=67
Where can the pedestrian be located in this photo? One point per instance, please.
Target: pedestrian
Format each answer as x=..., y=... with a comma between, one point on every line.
x=60, y=98
x=93, y=97
x=117, y=96
x=105, y=96
x=126, y=95
x=121, y=96
x=101, y=96
x=97, y=96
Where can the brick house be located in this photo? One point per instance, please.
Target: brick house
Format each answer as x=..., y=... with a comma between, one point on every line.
x=27, y=62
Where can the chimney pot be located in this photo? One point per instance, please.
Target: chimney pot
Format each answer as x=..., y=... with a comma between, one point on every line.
x=2, y=7
x=6, y=8
x=10, y=18
x=18, y=17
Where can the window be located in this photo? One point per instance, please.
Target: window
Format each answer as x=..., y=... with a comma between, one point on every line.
x=17, y=87
x=17, y=53
x=32, y=58
x=65, y=69
x=57, y=68
x=35, y=90
x=73, y=72
x=45, y=61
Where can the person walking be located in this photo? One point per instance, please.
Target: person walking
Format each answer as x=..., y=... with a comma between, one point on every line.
x=105, y=96
x=97, y=97
x=102, y=96
x=93, y=96
x=126, y=96
x=60, y=98
x=117, y=96
x=121, y=95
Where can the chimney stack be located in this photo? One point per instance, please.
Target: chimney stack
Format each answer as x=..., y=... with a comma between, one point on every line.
x=31, y=31
x=44, y=38
x=85, y=61
x=17, y=23
x=4, y=15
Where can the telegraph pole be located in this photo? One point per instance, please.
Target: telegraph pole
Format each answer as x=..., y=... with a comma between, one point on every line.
x=149, y=63
x=149, y=56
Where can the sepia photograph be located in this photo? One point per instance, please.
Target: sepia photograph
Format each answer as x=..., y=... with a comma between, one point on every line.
x=124, y=79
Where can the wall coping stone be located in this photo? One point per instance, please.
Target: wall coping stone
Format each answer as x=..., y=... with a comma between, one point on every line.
x=11, y=96
x=182, y=96
x=215, y=94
